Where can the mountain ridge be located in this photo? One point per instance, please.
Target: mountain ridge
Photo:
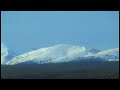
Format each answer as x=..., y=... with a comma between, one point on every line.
x=64, y=53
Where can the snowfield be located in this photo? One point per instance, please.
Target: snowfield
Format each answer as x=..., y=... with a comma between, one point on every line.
x=64, y=53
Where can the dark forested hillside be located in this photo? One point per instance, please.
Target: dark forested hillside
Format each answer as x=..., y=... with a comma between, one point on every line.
x=70, y=70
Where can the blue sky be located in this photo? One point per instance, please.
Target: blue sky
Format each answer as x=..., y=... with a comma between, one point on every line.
x=24, y=30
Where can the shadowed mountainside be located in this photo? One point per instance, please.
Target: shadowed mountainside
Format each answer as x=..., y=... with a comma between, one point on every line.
x=69, y=70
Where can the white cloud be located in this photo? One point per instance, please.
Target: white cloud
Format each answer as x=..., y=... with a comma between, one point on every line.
x=4, y=53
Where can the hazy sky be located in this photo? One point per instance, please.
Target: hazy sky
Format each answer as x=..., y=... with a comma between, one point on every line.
x=24, y=30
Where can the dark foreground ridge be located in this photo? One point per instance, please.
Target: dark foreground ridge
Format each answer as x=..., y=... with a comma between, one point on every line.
x=70, y=70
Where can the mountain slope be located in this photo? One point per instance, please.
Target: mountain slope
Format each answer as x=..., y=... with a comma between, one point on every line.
x=63, y=53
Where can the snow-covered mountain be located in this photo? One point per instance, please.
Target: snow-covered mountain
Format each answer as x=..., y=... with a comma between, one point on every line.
x=110, y=55
x=64, y=53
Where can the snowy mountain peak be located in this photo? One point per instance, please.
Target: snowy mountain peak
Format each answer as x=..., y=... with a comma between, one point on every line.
x=110, y=52
x=63, y=53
